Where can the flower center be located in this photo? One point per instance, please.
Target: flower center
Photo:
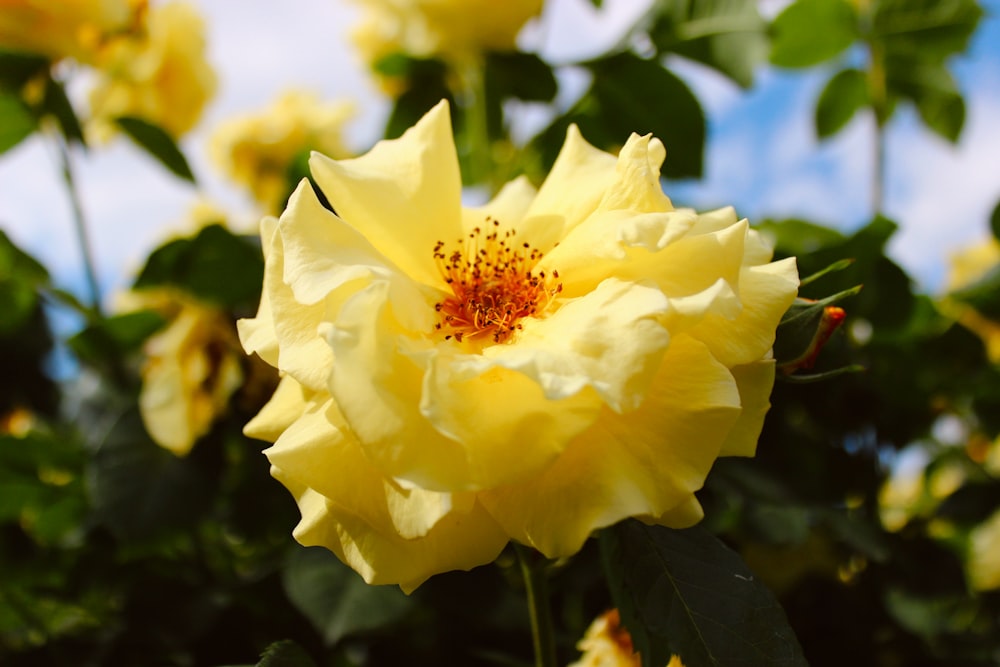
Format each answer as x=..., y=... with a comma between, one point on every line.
x=493, y=285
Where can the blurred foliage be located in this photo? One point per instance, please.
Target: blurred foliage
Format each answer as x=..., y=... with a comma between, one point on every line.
x=116, y=552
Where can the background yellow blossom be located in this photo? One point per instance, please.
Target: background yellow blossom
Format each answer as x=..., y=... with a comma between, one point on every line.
x=160, y=75
x=260, y=150
x=67, y=28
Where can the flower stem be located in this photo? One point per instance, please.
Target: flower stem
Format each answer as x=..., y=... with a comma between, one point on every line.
x=533, y=566
x=80, y=224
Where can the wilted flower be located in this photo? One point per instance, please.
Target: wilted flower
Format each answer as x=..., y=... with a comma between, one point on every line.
x=68, y=28
x=534, y=369
x=191, y=370
x=984, y=554
x=969, y=268
x=259, y=150
x=455, y=30
x=607, y=643
x=159, y=74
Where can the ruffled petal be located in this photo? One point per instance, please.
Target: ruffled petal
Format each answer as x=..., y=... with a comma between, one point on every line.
x=636, y=186
x=610, y=340
x=319, y=451
x=460, y=541
x=645, y=463
x=257, y=333
x=404, y=195
x=287, y=404
x=377, y=383
x=754, y=381
x=765, y=293
x=570, y=193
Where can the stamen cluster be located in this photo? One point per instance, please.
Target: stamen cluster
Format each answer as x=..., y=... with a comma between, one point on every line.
x=493, y=284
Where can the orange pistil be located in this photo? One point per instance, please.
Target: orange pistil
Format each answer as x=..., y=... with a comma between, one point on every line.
x=492, y=283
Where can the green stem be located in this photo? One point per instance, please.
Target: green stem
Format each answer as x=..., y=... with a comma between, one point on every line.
x=80, y=224
x=477, y=134
x=533, y=569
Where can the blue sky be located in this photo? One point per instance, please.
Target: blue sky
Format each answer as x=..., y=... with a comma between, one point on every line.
x=762, y=156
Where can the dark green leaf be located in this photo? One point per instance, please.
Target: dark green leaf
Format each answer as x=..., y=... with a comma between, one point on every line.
x=423, y=82
x=157, y=143
x=727, y=35
x=285, y=653
x=57, y=104
x=140, y=489
x=17, y=68
x=20, y=277
x=843, y=95
x=927, y=30
x=110, y=337
x=995, y=222
x=629, y=95
x=809, y=32
x=16, y=121
x=524, y=76
x=683, y=592
x=335, y=599
x=931, y=87
x=215, y=265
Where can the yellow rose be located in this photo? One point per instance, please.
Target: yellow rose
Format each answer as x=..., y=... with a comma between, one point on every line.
x=159, y=75
x=984, y=555
x=192, y=368
x=534, y=369
x=967, y=268
x=452, y=29
x=257, y=150
x=67, y=28
x=608, y=644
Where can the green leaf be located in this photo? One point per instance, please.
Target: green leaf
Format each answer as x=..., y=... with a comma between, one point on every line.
x=524, y=76
x=285, y=653
x=215, y=265
x=683, y=592
x=157, y=143
x=16, y=121
x=335, y=599
x=629, y=95
x=995, y=222
x=20, y=277
x=110, y=337
x=928, y=30
x=18, y=67
x=932, y=88
x=139, y=489
x=56, y=104
x=843, y=95
x=809, y=32
x=727, y=35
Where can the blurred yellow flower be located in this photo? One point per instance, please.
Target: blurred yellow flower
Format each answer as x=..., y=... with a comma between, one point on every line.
x=607, y=643
x=455, y=30
x=984, y=554
x=192, y=368
x=160, y=74
x=968, y=267
x=67, y=28
x=533, y=369
x=258, y=150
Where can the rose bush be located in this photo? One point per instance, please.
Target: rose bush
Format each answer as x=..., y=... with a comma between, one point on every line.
x=533, y=369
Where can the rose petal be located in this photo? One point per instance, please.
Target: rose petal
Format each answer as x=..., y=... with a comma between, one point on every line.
x=766, y=292
x=404, y=195
x=645, y=463
x=460, y=541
